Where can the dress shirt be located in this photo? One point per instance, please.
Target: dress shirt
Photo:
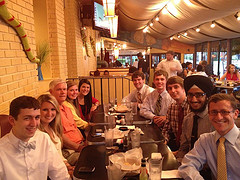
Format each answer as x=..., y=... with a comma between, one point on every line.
x=149, y=104
x=172, y=118
x=205, y=151
x=165, y=65
x=133, y=96
x=69, y=125
x=204, y=126
x=30, y=164
x=80, y=123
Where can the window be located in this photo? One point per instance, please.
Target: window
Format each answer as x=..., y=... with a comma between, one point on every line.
x=236, y=52
x=188, y=58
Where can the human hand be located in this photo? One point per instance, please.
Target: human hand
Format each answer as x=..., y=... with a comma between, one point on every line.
x=159, y=120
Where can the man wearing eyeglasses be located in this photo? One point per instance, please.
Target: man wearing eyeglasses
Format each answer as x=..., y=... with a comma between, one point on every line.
x=221, y=148
x=198, y=89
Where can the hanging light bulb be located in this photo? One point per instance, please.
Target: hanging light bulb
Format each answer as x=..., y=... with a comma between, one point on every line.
x=213, y=25
x=198, y=30
x=171, y=38
x=185, y=34
x=157, y=18
x=145, y=29
x=178, y=36
x=124, y=46
x=151, y=24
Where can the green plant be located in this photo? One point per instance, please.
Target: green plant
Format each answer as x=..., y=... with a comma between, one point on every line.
x=43, y=51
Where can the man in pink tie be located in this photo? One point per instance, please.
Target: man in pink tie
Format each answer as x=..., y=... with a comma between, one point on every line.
x=219, y=149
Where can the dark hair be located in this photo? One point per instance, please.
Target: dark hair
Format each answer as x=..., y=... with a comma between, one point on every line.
x=159, y=73
x=175, y=80
x=184, y=65
x=106, y=71
x=199, y=68
x=139, y=54
x=88, y=97
x=222, y=96
x=23, y=102
x=170, y=52
x=204, y=63
x=137, y=74
x=97, y=73
x=188, y=63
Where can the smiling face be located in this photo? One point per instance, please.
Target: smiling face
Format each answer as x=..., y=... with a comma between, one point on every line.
x=177, y=92
x=26, y=124
x=60, y=92
x=48, y=112
x=222, y=123
x=160, y=83
x=138, y=82
x=84, y=89
x=197, y=104
x=72, y=92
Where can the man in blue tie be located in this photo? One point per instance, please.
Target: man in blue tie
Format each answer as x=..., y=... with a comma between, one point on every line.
x=26, y=152
x=219, y=149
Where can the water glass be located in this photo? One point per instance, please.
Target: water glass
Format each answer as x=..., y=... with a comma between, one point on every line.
x=134, y=108
x=108, y=138
x=106, y=107
x=135, y=139
x=111, y=121
x=129, y=118
x=155, y=169
x=114, y=172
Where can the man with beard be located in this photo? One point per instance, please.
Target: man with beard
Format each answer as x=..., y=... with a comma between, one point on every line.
x=198, y=89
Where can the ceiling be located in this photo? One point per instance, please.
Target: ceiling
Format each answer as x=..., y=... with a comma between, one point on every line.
x=179, y=16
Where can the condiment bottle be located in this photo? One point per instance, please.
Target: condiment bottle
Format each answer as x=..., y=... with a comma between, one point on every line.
x=143, y=171
x=125, y=142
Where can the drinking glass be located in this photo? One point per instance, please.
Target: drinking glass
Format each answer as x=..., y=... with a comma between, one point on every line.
x=108, y=138
x=129, y=118
x=155, y=169
x=114, y=172
x=134, y=108
x=135, y=139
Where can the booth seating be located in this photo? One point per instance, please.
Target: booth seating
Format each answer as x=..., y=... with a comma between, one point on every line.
x=5, y=126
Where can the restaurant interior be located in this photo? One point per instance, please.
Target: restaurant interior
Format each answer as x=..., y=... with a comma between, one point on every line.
x=43, y=40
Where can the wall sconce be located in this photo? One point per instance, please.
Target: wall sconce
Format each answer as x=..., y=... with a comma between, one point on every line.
x=113, y=26
x=109, y=8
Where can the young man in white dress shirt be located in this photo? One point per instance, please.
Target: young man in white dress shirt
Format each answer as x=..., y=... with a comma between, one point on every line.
x=26, y=152
x=153, y=110
x=142, y=90
x=222, y=110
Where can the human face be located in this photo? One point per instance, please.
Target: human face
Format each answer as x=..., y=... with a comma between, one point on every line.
x=169, y=57
x=190, y=66
x=197, y=104
x=72, y=92
x=177, y=92
x=138, y=82
x=222, y=123
x=48, y=112
x=84, y=89
x=160, y=83
x=232, y=69
x=60, y=92
x=26, y=124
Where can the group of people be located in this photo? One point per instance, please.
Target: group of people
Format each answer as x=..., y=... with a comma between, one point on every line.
x=47, y=133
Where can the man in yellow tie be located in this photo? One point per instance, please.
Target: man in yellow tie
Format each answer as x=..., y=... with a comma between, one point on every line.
x=219, y=149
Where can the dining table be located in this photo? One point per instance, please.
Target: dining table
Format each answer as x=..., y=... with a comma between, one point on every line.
x=95, y=154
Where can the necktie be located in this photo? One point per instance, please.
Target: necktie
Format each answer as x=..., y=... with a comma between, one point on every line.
x=180, y=121
x=194, y=130
x=221, y=160
x=25, y=145
x=158, y=105
x=139, y=100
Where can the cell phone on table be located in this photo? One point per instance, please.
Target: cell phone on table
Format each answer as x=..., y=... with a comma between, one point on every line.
x=86, y=169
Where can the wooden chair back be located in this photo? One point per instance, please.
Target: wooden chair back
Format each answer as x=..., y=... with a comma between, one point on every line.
x=5, y=126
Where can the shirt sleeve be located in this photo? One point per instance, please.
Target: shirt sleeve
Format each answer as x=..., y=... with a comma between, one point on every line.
x=130, y=97
x=94, y=100
x=145, y=110
x=57, y=170
x=179, y=66
x=167, y=126
x=193, y=162
x=79, y=122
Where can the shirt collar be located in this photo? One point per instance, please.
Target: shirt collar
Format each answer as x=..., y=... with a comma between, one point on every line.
x=163, y=93
x=231, y=136
x=204, y=113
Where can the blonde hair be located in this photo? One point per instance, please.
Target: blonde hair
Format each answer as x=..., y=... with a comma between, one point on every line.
x=55, y=124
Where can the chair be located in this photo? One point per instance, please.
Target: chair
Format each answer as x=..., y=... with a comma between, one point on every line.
x=5, y=126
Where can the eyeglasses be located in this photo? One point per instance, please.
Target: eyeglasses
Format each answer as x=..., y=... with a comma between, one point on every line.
x=197, y=95
x=222, y=112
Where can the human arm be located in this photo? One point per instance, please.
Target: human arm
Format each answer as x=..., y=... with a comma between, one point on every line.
x=193, y=162
x=130, y=97
x=185, y=73
x=67, y=143
x=177, y=67
x=95, y=103
x=159, y=120
x=223, y=76
x=238, y=75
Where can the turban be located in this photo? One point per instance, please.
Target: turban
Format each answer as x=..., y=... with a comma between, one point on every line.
x=202, y=82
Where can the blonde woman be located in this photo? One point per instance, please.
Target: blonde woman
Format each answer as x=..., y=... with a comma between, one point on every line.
x=50, y=122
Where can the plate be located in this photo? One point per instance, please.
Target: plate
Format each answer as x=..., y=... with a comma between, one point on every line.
x=121, y=109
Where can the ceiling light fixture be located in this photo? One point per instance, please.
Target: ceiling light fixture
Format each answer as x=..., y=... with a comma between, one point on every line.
x=109, y=8
x=171, y=38
x=237, y=16
x=198, y=29
x=157, y=18
x=124, y=46
x=178, y=36
x=151, y=24
x=185, y=34
x=213, y=24
x=145, y=29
